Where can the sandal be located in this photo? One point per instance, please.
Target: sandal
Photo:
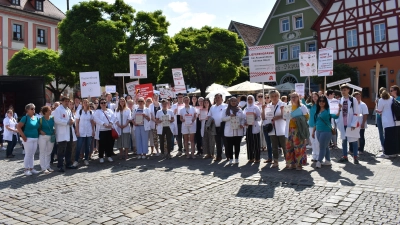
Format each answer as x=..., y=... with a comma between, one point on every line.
x=268, y=161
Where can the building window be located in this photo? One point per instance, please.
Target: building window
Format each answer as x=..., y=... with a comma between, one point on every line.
x=289, y=78
x=289, y=1
x=311, y=47
x=284, y=24
x=283, y=53
x=39, y=5
x=17, y=32
x=380, y=32
x=298, y=22
x=15, y=2
x=295, y=50
x=41, y=36
x=352, y=38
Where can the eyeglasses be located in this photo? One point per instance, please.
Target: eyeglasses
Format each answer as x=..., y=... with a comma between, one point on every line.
x=103, y=103
x=259, y=96
x=266, y=97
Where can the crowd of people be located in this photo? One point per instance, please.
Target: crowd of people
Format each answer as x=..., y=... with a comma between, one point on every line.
x=73, y=131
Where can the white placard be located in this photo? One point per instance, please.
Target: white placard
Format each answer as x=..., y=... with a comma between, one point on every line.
x=138, y=66
x=122, y=74
x=250, y=118
x=262, y=63
x=287, y=109
x=299, y=88
x=325, y=62
x=130, y=87
x=165, y=120
x=235, y=122
x=355, y=87
x=353, y=133
x=111, y=88
x=308, y=64
x=166, y=93
x=179, y=82
x=90, y=84
x=269, y=111
x=139, y=119
x=339, y=82
x=188, y=120
x=334, y=106
x=203, y=114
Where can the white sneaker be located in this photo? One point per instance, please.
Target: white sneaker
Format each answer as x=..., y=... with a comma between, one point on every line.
x=86, y=163
x=33, y=171
x=318, y=165
x=231, y=162
x=101, y=160
x=143, y=157
x=23, y=152
x=27, y=173
x=110, y=159
x=383, y=156
x=236, y=161
x=46, y=171
x=327, y=163
x=50, y=170
x=75, y=164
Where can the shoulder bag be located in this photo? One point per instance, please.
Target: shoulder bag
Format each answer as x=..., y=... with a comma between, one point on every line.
x=114, y=133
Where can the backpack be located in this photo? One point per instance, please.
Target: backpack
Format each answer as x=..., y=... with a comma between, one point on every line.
x=351, y=100
x=396, y=110
x=80, y=112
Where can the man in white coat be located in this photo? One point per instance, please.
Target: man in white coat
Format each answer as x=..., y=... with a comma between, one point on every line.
x=65, y=134
x=110, y=105
x=349, y=120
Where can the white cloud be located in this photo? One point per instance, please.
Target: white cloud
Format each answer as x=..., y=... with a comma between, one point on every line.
x=189, y=19
x=179, y=7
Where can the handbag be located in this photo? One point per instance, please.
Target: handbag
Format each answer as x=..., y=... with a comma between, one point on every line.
x=269, y=127
x=114, y=133
x=332, y=130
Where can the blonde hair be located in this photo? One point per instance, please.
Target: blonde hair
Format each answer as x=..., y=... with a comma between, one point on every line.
x=385, y=95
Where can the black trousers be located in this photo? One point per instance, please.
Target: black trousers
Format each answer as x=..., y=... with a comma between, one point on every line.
x=64, y=150
x=179, y=137
x=219, y=141
x=253, y=144
x=230, y=143
x=166, y=134
x=106, y=144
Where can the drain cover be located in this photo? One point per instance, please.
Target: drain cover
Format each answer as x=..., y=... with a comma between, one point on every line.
x=327, y=210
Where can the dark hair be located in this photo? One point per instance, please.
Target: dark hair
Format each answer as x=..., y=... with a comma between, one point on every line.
x=218, y=94
x=179, y=94
x=102, y=99
x=197, y=102
x=330, y=91
x=209, y=103
x=395, y=87
x=243, y=98
x=128, y=96
x=45, y=109
x=65, y=98
x=338, y=93
x=322, y=97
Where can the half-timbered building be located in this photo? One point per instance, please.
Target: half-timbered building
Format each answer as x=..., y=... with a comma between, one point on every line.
x=362, y=32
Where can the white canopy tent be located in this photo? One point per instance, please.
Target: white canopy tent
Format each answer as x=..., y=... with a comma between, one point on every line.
x=285, y=87
x=248, y=87
x=211, y=88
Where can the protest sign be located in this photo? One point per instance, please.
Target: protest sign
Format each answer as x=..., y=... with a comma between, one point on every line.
x=308, y=64
x=144, y=90
x=299, y=88
x=166, y=93
x=325, y=62
x=131, y=88
x=262, y=63
x=179, y=82
x=90, y=84
x=138, y=66
x=111, y=88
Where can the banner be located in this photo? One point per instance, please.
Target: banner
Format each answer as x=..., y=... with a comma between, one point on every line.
x=299, y=88
x=138, y=66
x=131, y=88
x=90, y=84
x=325, y=62
x=339, y=82
x=262, y=63
x=166, y=93
x=308, y=64
x=111, y=88
x=144, y=90
x=179, y=82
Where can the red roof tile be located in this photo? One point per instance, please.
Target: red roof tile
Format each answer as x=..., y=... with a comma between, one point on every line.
x=49, y=9
x=248, y=33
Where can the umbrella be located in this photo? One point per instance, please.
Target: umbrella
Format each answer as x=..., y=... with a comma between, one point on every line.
x=212, y=94
x=215, y=87
x=248, y=87
x=285, y=87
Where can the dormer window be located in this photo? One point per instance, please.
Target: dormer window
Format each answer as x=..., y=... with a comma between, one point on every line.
x=15, y=2
x=39, y=5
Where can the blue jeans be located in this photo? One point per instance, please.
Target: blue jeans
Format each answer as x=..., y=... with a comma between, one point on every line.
x=354, y=146
x=142, y=140
x=380, y=129
x=269, y=146
x=86, y=141
x=11, y=145
x=324, y=138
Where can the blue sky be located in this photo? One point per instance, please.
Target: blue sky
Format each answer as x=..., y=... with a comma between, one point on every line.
x=198, y=13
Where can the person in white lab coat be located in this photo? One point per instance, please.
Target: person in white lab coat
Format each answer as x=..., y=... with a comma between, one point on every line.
x=123, y=117
x=105, y=120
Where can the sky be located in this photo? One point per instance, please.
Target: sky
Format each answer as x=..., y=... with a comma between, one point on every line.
x=198, y=13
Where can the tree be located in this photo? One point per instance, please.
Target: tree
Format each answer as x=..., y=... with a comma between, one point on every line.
x=206, y=55
x=340, y=71
x=36, y=62
x=97, y=36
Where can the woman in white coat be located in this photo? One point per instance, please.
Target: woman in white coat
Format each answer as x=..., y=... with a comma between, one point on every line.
x=252, y=122
x=141, y=121
x=122, y=119
x=105, y=120
x=10, y=133
x=234, y=129
x=188, y=127
x=153, y=137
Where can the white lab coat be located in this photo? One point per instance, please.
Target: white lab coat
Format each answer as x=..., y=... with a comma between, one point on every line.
x=353, y=119
x=159, y=115
x=126, y=115
x=153, y=115
x=257, y=122
x=228, y=131
x=146, y=123
x=61, y=119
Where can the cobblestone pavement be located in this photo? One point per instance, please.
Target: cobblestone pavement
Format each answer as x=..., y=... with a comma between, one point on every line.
x=198, y=191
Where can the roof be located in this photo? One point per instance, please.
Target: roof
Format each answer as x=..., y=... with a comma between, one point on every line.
x=49, y=9
x=248, y=33
x=317, y=5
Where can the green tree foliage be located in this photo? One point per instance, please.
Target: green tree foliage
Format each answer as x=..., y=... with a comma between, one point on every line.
x=97, y=36
x=207, y=55
x=46, y=63
x=340, y=72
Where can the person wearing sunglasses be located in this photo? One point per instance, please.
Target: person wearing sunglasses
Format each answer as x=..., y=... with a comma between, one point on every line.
x=141, y=120
x=395, y=92
x=322, y=130
x=105, y=120
x=10, y=132
x=30, y=136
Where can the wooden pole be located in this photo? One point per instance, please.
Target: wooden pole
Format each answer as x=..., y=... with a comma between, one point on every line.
x=123, y=83
x=324, y=84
